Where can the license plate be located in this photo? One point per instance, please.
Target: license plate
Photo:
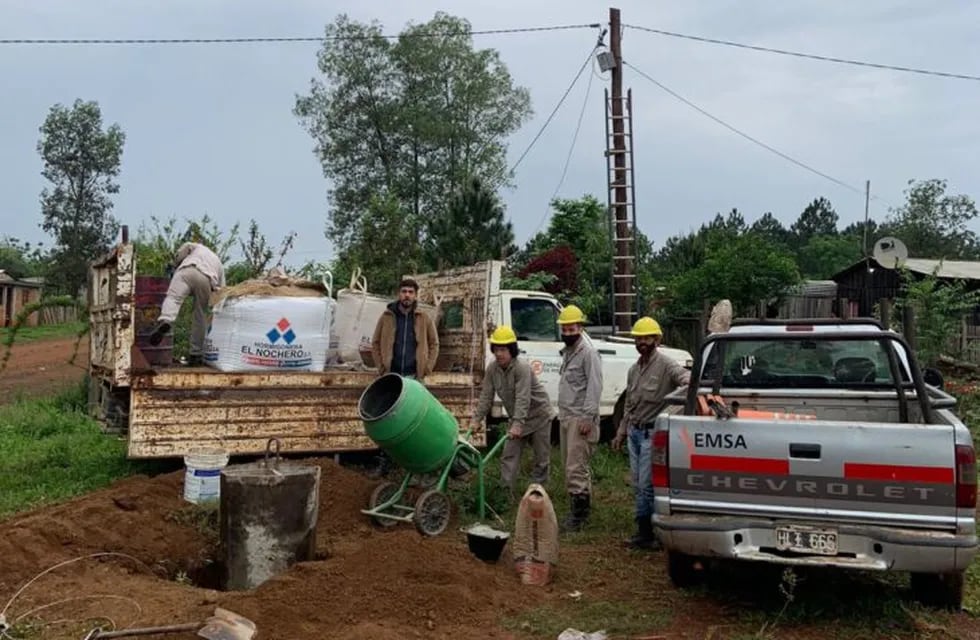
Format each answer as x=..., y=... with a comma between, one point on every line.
x=806, y=540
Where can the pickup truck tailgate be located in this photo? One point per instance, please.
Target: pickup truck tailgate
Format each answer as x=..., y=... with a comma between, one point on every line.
x=875, y=473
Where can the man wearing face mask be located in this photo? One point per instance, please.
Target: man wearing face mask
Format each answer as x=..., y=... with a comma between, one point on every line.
x=650, y=380
x=579, y=391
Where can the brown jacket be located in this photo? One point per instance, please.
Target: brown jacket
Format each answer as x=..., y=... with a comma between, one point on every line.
x=426, y=338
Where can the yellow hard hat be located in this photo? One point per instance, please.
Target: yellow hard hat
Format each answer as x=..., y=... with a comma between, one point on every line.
x=503, y=335
x=646, y=327
x=571, y=315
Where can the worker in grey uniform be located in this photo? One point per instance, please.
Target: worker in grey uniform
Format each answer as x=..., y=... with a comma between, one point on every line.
x=579, y=393
x=648, y=382
x=527, y=404
x=197, y=273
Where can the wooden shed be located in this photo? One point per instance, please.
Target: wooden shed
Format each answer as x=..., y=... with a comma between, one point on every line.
x=866, y=282
x=15, y=294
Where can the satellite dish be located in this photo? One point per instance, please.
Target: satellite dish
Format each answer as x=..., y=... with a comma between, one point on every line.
x=890, y=252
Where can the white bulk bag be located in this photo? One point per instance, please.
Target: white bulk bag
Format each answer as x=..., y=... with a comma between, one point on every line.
x=267, y=333
x=355, y=318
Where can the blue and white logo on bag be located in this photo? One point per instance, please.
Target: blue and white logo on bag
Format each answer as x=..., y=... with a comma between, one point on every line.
x=281, y=351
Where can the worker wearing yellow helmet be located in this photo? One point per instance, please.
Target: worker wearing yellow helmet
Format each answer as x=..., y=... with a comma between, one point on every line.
x=579, y=392
x=528, y=408
x=648, y=382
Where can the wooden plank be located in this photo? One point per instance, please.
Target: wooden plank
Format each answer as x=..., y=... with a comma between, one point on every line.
x=240, y=412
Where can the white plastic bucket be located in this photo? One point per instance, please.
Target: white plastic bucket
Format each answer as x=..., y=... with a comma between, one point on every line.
x=202, y=479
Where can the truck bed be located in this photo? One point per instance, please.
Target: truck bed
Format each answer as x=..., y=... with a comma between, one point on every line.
x=176, y=410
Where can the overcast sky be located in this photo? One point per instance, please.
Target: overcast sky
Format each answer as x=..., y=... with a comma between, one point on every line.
x=210, y=129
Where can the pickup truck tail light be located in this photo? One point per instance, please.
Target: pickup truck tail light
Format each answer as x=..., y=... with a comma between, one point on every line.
x=661, y=458
x=966, y=477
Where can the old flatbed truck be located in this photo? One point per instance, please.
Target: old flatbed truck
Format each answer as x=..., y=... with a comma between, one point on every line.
x=172, y=411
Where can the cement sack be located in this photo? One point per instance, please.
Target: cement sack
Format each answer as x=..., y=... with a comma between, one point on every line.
x=269, y=333
x=356, y=317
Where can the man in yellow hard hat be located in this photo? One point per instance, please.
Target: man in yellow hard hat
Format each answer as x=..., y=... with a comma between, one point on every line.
x=528, y=408
x=648, y=382
x=579, y=392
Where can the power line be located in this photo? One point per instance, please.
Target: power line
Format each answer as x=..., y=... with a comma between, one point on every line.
x=811, y=56
x=129, y=41
x=735, y=130
x=561, y=101
x=568, y=158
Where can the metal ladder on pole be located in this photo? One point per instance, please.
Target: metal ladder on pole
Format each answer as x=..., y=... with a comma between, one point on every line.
x=622, y=211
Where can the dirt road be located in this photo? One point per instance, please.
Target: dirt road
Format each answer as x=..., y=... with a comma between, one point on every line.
x=41, y=367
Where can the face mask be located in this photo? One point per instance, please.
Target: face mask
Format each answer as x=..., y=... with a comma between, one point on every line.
x=570, y=340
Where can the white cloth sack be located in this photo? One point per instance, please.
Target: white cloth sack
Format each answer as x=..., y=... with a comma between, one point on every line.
x=267, y=333
x=355, y=318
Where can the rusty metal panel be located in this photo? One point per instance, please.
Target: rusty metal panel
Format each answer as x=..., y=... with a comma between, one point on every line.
x=112, y=331
x=175, y=412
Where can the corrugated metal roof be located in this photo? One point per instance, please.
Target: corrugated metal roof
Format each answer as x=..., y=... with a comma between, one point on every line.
x=958, y=269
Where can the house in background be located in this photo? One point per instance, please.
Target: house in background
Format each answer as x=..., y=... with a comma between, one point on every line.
x=14, y=295
x=861, y=285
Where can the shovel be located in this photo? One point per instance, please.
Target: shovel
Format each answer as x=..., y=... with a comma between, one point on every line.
x=223, y=625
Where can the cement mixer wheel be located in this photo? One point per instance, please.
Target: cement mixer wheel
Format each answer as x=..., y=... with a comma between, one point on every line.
x=381, y=494
x=433, y=510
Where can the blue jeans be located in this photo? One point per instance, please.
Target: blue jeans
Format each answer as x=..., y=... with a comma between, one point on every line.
x=641, y=470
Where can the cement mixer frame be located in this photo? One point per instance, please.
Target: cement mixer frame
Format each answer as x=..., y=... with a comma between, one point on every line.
x=421, y=436
x=432, y=509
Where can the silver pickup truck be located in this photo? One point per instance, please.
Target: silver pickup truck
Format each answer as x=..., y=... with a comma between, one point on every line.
x=816, y=443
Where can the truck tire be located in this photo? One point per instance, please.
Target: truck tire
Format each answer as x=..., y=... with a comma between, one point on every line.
x=943, y=590
x=683, y=570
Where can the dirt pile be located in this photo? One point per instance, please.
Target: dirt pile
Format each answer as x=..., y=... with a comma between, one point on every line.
x=368, y=583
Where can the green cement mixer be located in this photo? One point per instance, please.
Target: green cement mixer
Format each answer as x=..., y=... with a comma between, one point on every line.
x=421, y=436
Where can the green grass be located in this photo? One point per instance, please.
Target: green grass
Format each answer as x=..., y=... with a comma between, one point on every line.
x=616, y=618
x=46, y=332
x=51, y=450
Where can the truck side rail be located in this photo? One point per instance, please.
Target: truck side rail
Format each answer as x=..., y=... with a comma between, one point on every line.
x=887, y=339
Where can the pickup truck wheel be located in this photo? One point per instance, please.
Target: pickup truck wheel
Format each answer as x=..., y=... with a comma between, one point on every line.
x=943, y=590
x=683, y=570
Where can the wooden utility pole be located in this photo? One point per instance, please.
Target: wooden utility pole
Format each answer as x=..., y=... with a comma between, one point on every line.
x=621, y=189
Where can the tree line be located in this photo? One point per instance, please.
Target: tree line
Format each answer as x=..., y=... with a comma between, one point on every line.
x=411, y=134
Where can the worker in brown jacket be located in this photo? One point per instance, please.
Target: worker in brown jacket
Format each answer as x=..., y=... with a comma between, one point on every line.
x=405, y=342
x=648, y=382
x=405, y=339
x=528, y=408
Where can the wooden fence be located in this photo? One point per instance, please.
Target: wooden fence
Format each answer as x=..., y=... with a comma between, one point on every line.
x=57, y=315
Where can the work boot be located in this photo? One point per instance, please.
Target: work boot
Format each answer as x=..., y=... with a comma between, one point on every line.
x=161, y=329
x=644, y=538
x=578, y=513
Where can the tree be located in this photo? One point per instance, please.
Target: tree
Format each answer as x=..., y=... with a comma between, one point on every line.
x=81, y=161
x=818, y=219
x=938, y=307
x=156, y=246
x=745, y=270
x=933, y=224
x=384, y=247
x=257, y=254
x=559, y=262
x=472, y=229
x=771, y=229
x=407, y=121
x=823, y=256
x=20, y=259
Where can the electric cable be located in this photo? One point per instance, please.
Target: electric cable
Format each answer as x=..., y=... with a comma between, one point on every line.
x=810, y=56
x=285, y=39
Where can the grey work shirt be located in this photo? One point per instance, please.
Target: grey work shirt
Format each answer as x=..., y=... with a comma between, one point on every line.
x=580, y=384
x=647, y=384
x=521, y=393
